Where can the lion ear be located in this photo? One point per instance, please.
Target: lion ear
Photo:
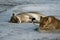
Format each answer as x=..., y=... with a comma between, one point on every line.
x=49, y=19
x=41, y=17
x=13, y=14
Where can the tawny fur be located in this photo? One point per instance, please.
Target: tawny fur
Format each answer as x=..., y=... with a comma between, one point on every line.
x=49, y=23
x=26, y=17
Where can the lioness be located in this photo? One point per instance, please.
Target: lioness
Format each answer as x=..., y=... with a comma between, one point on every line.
x=49, y=23
x=26, y=17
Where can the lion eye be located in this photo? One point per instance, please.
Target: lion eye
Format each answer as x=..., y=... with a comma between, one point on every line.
x=45, y=19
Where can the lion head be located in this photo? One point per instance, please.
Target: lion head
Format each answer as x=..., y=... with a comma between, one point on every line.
x=14, y=18
x=46, y=22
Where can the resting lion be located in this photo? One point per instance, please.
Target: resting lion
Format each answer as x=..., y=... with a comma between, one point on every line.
x=49, y=23
x=26, y=17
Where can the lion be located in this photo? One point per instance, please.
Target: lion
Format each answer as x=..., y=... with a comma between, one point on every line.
x=49, y=23
x=19, y=18
x=26, y=17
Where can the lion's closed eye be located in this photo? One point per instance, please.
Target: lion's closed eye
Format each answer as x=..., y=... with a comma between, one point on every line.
x=45, y=19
